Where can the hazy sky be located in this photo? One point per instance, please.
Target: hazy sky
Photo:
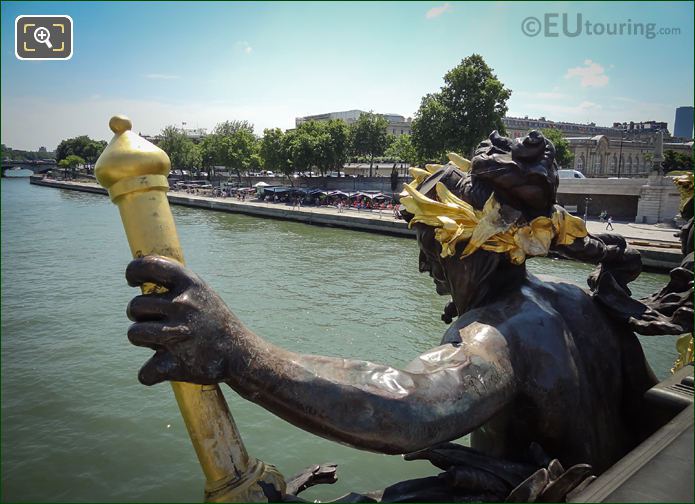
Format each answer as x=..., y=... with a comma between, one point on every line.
x=165, y=63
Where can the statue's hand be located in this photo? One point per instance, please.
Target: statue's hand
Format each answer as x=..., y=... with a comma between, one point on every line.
x=189, y=326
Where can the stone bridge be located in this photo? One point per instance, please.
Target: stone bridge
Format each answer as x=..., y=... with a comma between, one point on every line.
x=38, y=166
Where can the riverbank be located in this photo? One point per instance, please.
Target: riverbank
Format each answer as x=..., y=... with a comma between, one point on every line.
x=660, y=250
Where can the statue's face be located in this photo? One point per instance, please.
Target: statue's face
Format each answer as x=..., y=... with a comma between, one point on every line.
x=430, y=259
x=461, y=278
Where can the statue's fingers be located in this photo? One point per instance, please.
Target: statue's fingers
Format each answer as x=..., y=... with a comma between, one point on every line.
x=162, y=366
x=150, y=307
x=158, y=270
x=156, y=335
x=529, y=489
x=557, y=490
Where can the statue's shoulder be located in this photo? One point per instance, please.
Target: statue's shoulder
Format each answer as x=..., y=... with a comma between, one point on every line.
x=485, y=323
x=546, y=302
x=561, y=294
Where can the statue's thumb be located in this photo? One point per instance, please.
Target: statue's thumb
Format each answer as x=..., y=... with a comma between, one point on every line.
x=161, y=367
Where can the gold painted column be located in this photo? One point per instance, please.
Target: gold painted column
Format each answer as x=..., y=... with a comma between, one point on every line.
x=135, y=171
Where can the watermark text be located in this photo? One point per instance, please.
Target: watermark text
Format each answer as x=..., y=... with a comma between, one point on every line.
x=557, y=24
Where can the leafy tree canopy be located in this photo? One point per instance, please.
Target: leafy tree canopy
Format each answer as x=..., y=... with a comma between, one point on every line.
x=402, y=149
x=183, y=152
x=677, y=161
x=469, y=106
x=369, y=136
x=82, y=146
x=563, y=155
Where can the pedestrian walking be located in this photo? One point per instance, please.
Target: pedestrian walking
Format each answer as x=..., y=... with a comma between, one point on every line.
x=610, y=223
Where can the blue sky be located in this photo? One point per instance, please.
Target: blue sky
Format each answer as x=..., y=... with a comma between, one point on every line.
x=164, y=63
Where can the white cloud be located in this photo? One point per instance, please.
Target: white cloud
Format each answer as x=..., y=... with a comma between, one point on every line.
x=438, y=11
x=244, y=47
x=162, y=76
x=590, y=75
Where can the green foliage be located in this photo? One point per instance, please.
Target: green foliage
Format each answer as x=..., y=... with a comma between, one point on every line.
x=428, y=128
x=70, y=163
x=183, y=153
x=563, y=155
x=338, y=143
x=304, y=146
x=402, y=149
x=369, y=136
x=233, y=145
x=316, y=145
x=81, y=146
x=272, y=151
x=469, y=106
x=677, y=161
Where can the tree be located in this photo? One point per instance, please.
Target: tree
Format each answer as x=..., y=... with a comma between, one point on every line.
x=232, y=145
x=83, y=146
x=303, y=146
x=70, y=163
x=338, y=144
x=273, y=152
x=402, y=150
x=229, y=128
x=428, y=136
x=676, y=161
x=369, y=136
x=467, y=108
x=183, y=153
x=563, y=155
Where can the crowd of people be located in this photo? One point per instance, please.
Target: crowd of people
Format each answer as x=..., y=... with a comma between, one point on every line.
x=299, y=197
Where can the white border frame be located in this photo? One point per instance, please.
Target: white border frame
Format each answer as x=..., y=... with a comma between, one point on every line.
x=72, y=46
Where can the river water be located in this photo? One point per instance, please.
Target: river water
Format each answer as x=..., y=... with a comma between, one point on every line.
x=76, y=424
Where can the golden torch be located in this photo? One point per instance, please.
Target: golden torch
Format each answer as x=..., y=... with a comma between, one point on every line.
x=135, y=171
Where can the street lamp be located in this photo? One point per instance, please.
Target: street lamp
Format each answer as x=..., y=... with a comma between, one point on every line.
x=586, y=208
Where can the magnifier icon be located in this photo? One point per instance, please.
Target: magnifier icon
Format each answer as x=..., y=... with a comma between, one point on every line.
x=43, y=36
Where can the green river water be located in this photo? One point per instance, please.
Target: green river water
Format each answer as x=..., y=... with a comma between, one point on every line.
x=76, y=424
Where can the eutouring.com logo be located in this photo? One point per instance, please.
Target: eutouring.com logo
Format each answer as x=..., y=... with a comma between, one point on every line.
x=555, y=24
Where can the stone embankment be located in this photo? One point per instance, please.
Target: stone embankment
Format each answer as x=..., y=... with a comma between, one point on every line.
x=659, y=249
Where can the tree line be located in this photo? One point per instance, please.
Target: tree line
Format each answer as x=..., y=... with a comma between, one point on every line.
x=312, y=146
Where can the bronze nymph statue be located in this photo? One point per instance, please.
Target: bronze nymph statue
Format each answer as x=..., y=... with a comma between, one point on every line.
x=543, y=374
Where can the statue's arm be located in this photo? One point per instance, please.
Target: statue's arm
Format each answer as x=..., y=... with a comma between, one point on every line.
x=444, y=394
x=447, y=393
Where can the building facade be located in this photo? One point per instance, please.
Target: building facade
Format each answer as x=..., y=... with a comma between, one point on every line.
x=398, y=125
x=519, y=127
x=637, y=128
x=683, y=125
x=623, y=150
x=603, y=156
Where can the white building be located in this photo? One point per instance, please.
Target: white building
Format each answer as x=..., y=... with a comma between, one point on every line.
x=398, y=125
